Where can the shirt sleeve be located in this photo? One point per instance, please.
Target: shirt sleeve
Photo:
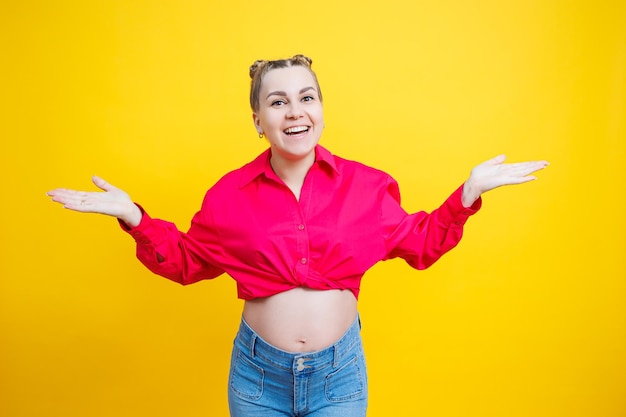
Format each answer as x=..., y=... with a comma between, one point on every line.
x=182, y=257
x=422, y=238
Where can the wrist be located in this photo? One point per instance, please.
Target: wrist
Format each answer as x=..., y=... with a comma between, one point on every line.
x=133, y=217
x=470, y=194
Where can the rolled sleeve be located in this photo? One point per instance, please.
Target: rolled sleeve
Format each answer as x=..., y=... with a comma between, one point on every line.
x=422, y=238
x=168, y=252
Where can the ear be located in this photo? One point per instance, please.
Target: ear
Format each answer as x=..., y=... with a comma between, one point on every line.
x=257, y=123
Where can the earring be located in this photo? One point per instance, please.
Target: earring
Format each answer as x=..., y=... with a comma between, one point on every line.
x=261, y=135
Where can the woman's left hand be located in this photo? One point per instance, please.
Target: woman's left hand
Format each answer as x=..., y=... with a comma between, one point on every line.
x=495, y=173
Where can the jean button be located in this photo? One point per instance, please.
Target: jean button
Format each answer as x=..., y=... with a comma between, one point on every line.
x=301, y=366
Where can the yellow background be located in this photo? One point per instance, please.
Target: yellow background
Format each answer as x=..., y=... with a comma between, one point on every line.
x=527, y=317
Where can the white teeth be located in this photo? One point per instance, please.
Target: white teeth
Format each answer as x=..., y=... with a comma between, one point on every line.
x=296, y=129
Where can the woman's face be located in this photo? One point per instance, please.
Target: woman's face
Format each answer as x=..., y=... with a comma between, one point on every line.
x=290, y=113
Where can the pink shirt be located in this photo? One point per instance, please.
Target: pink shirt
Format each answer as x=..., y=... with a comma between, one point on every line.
x=252, y=227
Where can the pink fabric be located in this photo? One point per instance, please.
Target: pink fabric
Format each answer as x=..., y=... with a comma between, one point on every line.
x=252, y=227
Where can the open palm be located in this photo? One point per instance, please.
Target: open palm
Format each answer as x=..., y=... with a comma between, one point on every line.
x=111, y=201
x=495, y=173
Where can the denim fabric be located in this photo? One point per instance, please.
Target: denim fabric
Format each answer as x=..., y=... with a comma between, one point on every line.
x=267, y=381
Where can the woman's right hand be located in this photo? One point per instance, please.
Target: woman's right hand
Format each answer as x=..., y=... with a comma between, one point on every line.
x=112, y=202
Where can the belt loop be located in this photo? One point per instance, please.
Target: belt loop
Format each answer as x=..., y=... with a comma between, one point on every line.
x=335, y=356
x=252, y=345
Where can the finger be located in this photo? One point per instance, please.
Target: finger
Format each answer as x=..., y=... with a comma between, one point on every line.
x=72, y=204
x=521, y=180
x=511, y=180
x=535, y=166
x=56, y=191
x=78, y=206
x=75, y=200
x=102, y=184
x=61, y=194
x=524, y=168
x=496, y=160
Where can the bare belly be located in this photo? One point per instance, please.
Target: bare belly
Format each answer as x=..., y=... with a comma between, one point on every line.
x=302, y=320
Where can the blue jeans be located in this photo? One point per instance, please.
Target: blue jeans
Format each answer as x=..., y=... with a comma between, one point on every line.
x=267, y=381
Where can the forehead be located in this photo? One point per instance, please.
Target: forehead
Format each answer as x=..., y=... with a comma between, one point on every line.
x=287, y=79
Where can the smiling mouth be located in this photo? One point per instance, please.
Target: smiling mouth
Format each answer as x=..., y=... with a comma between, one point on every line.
x=296, y=130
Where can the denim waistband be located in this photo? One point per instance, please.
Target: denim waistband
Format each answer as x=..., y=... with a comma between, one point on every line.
x=254, y=346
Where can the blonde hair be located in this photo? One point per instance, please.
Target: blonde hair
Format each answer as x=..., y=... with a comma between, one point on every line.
x=262, y=67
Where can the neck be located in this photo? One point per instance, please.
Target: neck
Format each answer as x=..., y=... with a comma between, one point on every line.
x=292, y=172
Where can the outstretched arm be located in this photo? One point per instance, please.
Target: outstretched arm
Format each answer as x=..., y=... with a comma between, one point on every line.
x=495, y=173
x=112, y=202
x=182, y=257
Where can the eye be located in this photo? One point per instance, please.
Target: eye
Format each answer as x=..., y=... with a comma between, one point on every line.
x=308, y=98
x=277, y=103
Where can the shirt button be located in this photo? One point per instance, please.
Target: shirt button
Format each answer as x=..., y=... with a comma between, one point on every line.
x=303, y=261
x=300, y=227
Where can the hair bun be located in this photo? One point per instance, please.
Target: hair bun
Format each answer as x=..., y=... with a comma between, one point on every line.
x=302, y=59
x=258, y=64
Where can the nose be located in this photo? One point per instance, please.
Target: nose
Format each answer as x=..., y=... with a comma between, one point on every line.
x=295, y=111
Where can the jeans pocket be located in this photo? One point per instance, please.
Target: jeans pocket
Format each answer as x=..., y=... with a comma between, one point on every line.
x=347, y=382
x=246, y=378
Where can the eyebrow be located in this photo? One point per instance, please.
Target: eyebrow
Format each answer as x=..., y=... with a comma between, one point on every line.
x=282, y=93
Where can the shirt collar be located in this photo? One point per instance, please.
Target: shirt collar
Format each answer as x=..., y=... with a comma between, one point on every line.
x=261, y=165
